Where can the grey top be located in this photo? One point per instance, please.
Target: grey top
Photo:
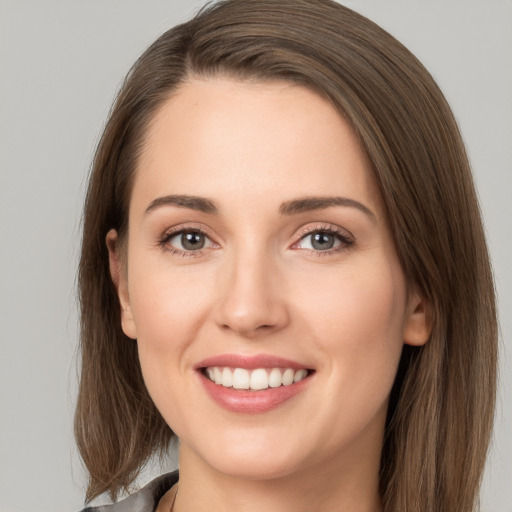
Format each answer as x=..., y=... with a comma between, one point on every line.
x=146, y=500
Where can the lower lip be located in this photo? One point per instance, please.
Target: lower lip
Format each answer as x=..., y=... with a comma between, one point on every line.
x=252, y=402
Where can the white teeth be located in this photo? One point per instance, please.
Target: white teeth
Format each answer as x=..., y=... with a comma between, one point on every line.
x=258, y=379
x=288, y=376
x=274, y=378
x=241, y=378
x=299, y=375
x=227, y=378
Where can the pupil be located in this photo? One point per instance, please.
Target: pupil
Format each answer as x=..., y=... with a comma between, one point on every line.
x=322, y=241
x=192, y=241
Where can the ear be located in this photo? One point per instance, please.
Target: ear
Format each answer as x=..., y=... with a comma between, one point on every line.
x=119, y=278
x=417, y=326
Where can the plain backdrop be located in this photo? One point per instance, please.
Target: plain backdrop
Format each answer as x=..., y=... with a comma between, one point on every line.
x=61, y=62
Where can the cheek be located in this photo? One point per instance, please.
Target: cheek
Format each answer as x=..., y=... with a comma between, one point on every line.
x=168, y=305
x=168, y=308
x=355, y=322
x=357, y=317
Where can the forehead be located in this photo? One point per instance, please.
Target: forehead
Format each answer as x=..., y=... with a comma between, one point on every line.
x=231, y=138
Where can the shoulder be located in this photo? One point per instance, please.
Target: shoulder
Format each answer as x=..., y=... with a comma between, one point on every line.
x=144, y=500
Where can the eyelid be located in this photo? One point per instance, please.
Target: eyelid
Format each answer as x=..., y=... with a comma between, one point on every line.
x=346, y=237
x=170, y=233
x=323, y=226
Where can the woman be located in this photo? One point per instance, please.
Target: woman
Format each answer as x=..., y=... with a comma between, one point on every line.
x=281, y=214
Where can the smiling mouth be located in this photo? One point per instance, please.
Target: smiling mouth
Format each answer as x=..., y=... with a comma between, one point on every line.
x=257, y=379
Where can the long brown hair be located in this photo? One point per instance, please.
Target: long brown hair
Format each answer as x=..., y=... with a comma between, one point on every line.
x=442, y=403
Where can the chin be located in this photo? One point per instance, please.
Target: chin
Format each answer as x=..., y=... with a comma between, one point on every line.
x=256, y=457
x=250, y=467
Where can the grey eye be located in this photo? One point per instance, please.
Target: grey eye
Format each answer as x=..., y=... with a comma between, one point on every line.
x=189, y=241
x=320, y=241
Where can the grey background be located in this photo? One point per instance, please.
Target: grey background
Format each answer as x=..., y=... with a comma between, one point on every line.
x=60, y=65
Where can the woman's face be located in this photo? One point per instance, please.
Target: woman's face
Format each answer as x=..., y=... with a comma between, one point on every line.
x=258, y=253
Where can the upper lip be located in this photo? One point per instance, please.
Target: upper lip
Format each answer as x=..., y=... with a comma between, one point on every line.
x=249, y=362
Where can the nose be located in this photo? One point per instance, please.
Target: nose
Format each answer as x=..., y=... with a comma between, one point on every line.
x=254, y=299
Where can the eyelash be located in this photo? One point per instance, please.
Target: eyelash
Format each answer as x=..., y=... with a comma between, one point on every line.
x=167, y=236
x=345, y=238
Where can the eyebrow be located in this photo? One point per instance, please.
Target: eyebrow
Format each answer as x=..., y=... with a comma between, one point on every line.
x=308, y=204
x=293, y=207
x=200, y=204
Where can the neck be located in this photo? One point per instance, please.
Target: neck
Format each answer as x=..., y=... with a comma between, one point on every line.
x=331, y=486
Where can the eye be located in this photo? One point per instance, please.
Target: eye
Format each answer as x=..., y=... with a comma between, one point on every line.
x=325, y=240
x=320, y=241
x=187, y=241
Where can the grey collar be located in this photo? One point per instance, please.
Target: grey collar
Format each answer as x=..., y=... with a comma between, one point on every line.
x=145, y=500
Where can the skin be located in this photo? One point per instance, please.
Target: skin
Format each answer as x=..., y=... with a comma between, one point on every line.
x=259, y=286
